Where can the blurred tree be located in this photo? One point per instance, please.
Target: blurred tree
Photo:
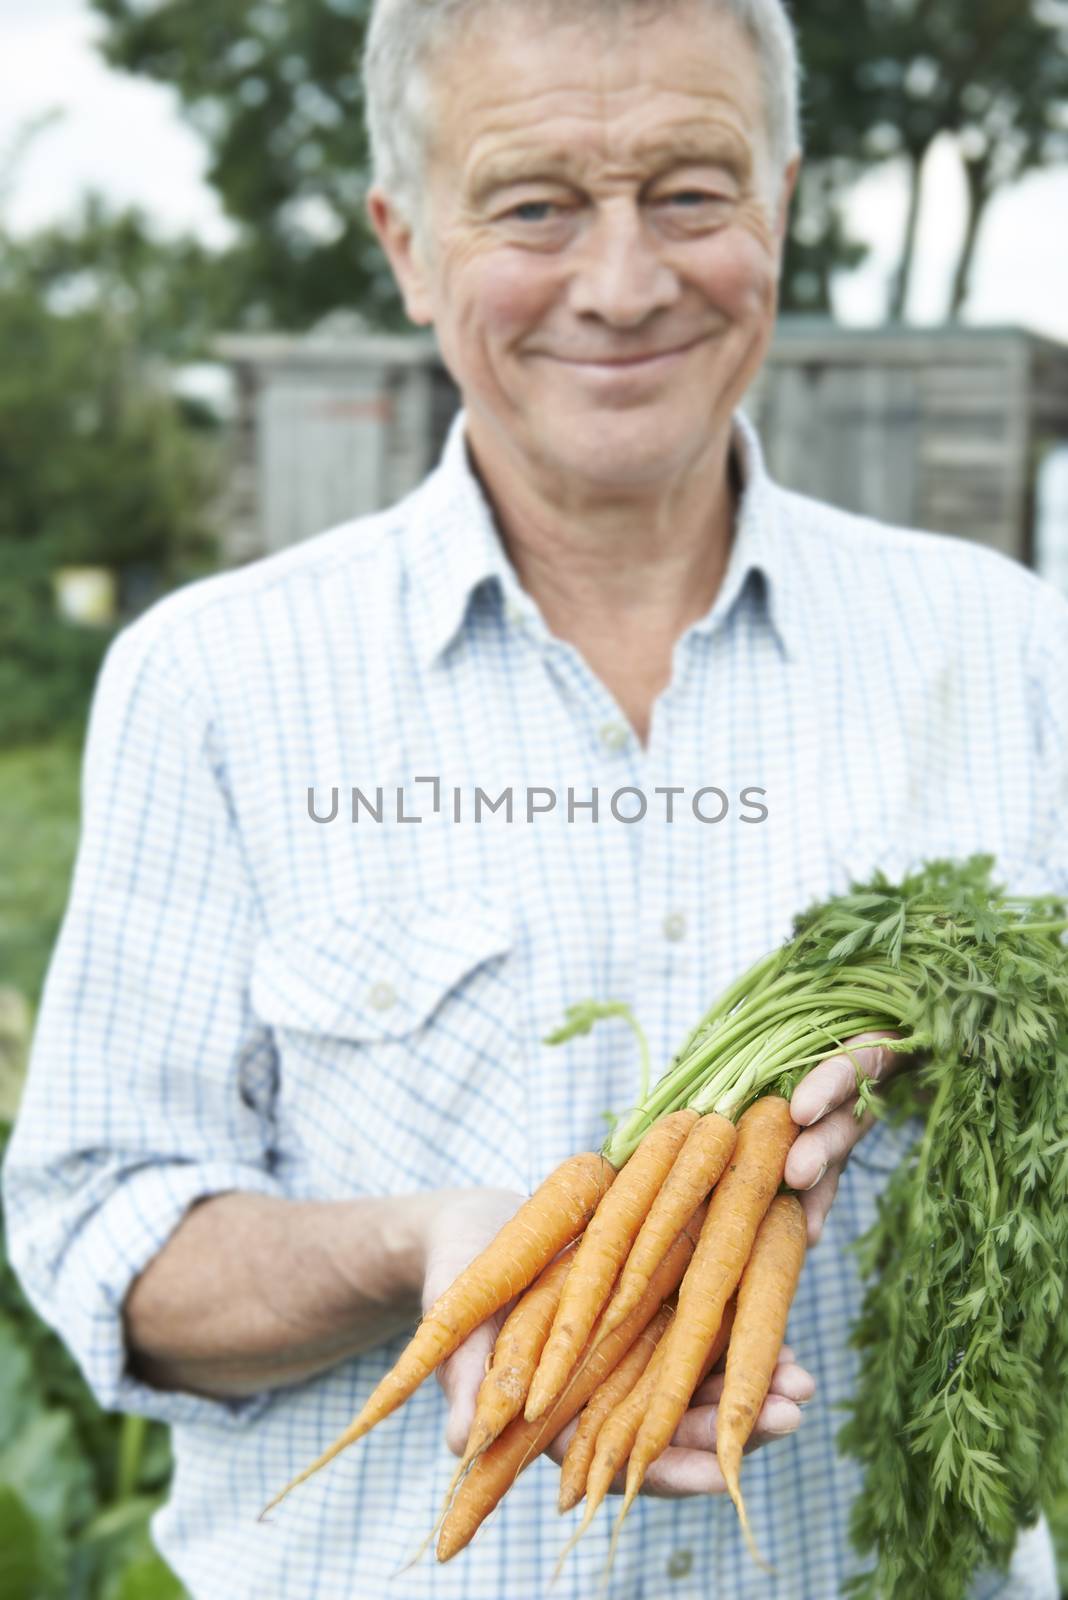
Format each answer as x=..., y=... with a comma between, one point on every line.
x=836, y=121
x=1012, y=121
x=274, y=87
x=991, y=73
x=886, y=78
x=169, y=295
x=97, y=467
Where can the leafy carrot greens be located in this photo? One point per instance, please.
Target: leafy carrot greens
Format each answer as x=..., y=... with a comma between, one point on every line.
x=960, y=1412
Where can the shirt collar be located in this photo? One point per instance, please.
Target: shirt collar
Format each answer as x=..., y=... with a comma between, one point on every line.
x=457, y=549
x=759, y=546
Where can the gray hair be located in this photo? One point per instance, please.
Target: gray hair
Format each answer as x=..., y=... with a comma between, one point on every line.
x=404, y=34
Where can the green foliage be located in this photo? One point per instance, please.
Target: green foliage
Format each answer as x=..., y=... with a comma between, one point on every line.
x=276, y=91
x=47, y=666
x=173, y=293
x=77, y=1485
x=38, y=836
x=97, y=467
x=28, y=1565
x=884, y=79
x=960, y=1415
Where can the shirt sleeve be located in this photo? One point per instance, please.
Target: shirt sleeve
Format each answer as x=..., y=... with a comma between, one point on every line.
x=151, y=1083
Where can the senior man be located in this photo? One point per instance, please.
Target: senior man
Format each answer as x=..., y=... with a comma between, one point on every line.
x=288, y=1073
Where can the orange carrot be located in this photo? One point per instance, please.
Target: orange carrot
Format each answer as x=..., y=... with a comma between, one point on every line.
x=496, y=1469
x=515, y=1356
x=603, y=1249
x=601, y=1404
x=765, y=1295
x=735, y=1212
x=696, y=1169
x=556, y=1213
x=619, y=1431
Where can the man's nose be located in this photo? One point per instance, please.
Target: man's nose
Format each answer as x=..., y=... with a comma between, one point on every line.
x=620, y=273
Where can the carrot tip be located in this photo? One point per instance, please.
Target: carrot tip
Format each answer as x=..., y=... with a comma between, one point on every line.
x=279, y=1497
x=628, y=1500
x=735, y=1492
x=615, y=1313
x=571, y=1543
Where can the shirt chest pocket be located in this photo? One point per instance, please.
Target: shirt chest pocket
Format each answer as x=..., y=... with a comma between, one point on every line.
x=399, y=1046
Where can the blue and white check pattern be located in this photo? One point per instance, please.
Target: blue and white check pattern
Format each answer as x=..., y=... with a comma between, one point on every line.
x=244, y=998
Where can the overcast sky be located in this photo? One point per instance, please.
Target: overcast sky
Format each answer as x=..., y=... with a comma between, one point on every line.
x=125, y=137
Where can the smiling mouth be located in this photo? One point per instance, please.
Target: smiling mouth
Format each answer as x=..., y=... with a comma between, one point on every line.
x=627, y=363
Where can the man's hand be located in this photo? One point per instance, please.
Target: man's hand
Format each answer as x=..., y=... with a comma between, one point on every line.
x=688, y=1466
x=823, y=1105
x=464, y=1222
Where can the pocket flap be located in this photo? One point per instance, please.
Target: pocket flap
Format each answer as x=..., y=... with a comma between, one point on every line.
x=380, y=971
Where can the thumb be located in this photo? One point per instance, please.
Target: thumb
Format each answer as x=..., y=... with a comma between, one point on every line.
x=460, y=1378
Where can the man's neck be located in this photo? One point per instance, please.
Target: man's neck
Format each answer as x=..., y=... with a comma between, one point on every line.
x=620, y=579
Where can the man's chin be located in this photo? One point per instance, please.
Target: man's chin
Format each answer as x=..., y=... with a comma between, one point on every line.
x=614, y=452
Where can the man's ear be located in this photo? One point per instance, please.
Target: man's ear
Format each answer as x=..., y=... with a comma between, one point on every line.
x=786, y=195
x=397, y=239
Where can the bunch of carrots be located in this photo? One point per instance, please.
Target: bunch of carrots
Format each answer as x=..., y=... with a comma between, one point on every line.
x=635, y=1267
x=630, y=1280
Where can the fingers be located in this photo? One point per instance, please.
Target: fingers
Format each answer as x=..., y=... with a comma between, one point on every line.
x=688, y=1466
x=789, y=1381
x=791, y=1387
x=464, y=1223
x=778, y=1417
x=834, y=1081
x=558, y=1449
x=823, y=1105
x=678, y=1471
x=827, y=1144
x=817, y=1201
x=460, y=1377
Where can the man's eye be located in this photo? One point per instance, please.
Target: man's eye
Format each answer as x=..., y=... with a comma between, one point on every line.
x=689, y=199
x=533, y=211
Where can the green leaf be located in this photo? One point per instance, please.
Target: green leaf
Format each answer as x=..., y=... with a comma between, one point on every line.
x=19, y=1397
x=148, y=1579
x=28, y=1568
x=43, y=1461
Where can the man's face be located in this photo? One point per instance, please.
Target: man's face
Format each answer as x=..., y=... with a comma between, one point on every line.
x=603, y=235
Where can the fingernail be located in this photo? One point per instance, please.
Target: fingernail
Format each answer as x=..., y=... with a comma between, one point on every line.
x=817, y=1178
x=822, y=1112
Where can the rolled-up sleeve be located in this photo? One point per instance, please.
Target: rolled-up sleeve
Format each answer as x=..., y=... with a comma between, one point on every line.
x=151, y=1082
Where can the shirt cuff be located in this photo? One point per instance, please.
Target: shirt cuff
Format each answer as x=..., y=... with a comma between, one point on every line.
x=114, y=1245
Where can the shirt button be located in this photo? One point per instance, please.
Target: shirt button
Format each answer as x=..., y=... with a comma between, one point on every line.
x=680, y=1563
x=382, y=996
x=614, y=736
x=674, y=926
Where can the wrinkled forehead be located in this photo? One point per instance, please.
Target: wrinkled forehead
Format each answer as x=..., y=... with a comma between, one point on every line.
x=635, y=80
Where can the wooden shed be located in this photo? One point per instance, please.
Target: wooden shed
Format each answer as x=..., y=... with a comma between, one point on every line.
x=946, y=429
x=327, y=427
